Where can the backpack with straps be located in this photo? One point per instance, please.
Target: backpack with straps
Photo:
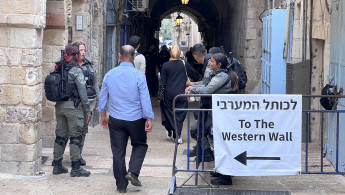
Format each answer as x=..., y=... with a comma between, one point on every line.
x=241, y=73
x=235, y=65
x=56, y=85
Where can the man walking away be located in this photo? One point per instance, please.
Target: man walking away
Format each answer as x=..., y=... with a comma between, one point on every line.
x=124, y=90
x=139, y=60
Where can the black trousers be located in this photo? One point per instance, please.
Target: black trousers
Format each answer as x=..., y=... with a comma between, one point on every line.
x=120, y=131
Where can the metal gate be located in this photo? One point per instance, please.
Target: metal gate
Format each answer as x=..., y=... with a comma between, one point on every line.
x=337, y=71
x=273, y=64
x=313, y=154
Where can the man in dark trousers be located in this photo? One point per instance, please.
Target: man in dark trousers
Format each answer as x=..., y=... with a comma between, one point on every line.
x=124, y=91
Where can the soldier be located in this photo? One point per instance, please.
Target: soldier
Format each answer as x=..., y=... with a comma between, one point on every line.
x=92, y=88
x=70, y=116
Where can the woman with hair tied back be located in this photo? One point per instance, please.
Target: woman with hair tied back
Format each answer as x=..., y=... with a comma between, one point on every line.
x=220, y=81
x=173, y=79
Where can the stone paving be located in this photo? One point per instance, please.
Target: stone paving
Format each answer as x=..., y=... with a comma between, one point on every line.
x=156, y=172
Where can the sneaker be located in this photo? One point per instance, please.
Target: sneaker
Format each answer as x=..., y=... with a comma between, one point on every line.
x=222, y=180
x=168, y=135
x=179, y=140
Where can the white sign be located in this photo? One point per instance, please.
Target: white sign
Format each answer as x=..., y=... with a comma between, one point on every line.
x=79, y=22
x=257, y=135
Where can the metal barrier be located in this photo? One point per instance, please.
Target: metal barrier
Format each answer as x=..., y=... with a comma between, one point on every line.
x=306, y=113
x=200, y=169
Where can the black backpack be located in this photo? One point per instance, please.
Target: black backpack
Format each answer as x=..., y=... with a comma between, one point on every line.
x=326, y=102
x=55, y=84
x=236, y=66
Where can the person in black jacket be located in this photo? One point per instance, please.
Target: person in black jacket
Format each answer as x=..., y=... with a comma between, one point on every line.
x=164, y=56
x=173, y=77
x=152, y=63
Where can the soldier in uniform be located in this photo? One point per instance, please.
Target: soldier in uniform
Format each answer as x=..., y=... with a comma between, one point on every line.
x=70, y=116
x=92, y=88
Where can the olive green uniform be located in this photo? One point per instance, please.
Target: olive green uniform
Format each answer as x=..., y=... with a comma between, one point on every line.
x=90, y=78
x=70, y=119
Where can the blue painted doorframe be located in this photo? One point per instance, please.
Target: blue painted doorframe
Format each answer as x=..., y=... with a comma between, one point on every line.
x=125, y=28
x=273, y=64
x=337, y=71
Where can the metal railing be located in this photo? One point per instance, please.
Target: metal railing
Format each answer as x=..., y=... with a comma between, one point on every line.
x=322, y=151
x=307, y=167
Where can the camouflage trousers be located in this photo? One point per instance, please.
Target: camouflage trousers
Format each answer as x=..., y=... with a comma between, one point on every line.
x=69, y=124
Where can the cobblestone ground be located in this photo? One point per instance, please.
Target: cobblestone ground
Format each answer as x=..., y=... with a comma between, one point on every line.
x=156, y=171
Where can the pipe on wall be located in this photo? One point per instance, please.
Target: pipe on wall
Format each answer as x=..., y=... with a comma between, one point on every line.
x=287, y=30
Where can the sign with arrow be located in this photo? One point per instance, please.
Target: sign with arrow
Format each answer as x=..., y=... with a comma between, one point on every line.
x=257, y=135
x=242, y=158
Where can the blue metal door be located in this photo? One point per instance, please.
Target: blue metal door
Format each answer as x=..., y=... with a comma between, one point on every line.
x=337, y=69
x=273, y=64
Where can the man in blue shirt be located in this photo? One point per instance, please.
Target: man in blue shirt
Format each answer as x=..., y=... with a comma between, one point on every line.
x=124, y=91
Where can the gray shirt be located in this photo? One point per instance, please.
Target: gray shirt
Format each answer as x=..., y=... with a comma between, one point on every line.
x=87, y=66
x=219, y=84
x=75, y=75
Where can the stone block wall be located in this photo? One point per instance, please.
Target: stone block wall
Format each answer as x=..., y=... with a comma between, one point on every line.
x=54, y=40
x=93, y=29
x=246, y=39
x=21, y=28
x=320, y=31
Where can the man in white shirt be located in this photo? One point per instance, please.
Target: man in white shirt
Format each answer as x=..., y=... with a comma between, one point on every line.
x=139, y=60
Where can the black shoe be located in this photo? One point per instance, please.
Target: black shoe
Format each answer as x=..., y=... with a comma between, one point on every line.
x=59, y=168
x=208, y=158
x=78, y=171
x=121, y=191
x=215, y=174
x=222, y=180
x=208, y=155
x=82, y=162
x=192, y=152
x=133, y=179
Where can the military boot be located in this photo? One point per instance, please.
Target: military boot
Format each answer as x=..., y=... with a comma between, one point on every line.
x=78, y=171
x=53, y=162
x=59, y=168
x=82, y=162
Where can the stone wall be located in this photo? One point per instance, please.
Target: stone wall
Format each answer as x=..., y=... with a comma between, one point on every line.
x=54, y=40
x=246, y=39
x=60, y=17
x=320, y=41
x=93, y=29
x=21, y=30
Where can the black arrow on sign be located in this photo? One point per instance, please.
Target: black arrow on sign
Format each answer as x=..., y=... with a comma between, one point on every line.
x=242, y=158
